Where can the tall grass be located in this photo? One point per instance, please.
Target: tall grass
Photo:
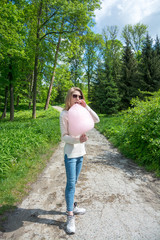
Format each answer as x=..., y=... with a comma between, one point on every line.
x=25, y=146
x=136, y=132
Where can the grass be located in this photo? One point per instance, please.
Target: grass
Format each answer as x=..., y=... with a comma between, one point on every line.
x=26, y=145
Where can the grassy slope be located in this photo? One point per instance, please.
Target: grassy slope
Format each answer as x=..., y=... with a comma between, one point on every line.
x=26, y=145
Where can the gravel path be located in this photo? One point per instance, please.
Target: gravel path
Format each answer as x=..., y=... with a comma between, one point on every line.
x=122, y=200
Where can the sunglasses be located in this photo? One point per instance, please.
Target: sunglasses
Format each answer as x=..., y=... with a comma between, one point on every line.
x=77, y=96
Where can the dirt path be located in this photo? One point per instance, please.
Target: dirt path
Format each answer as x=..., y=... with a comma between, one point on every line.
x=122, y=200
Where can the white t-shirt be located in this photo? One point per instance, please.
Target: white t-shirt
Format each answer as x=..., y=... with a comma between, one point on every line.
x=73, y=148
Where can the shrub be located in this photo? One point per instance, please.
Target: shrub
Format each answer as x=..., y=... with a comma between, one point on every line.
x=136, y=132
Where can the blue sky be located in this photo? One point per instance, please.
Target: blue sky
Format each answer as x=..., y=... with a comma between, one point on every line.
x=122, y=12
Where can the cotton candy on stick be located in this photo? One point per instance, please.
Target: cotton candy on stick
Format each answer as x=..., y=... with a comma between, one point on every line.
x=80, y=120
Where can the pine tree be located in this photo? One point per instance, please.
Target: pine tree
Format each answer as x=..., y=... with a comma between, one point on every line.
x=104, y=94
x=149, y=67
x=112, y=99
x=157, y=46
x=97, y=94
x=156, y=63
x=128, y=85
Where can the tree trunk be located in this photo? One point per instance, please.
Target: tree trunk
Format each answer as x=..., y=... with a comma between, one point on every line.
x=5, y=104
x=54, y=69
x=35, y=86
x=53, y=76
x=17, y=101
x=11, y=102
x=10, y=77
x=88, y=75
x=30, y=90
x=30, y=103
x=36, y=62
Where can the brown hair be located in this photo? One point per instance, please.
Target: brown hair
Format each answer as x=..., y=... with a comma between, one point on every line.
x=69, y=95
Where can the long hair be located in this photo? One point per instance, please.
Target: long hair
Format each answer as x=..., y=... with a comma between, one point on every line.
x=69, y=95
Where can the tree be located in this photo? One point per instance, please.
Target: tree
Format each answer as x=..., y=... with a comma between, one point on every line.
x=75, y=59
x=112, y=99
x=113, y=51
x=12, y=31
x=149, y=67
x=62, y=83
x=104, y=91
x=54, y=70
x=92, y=44
x=128, y=85
x=97, y=94
x=76, y=16
x=135, y=36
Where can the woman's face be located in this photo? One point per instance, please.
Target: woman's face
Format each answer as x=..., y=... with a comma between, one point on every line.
x=76, y=97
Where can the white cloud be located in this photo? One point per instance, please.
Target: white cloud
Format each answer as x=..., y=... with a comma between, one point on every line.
x=122, y=12
x=136, y=10
x=105, y=10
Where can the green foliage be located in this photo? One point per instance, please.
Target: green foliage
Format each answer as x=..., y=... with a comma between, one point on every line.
x=28, y=35
x=92, y=44
x=150, y=66
x=61, y=85
x=136, y=132
x=25, y=147
x=75, y=60
x=135, y=34
x=128, y=80
x=12, y=34
x=11, y=31
x=104, y=94
x=113, y=51
x=19, y=140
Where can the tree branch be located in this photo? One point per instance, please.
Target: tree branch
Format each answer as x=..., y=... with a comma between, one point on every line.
x=60, y=32
x=43, y=24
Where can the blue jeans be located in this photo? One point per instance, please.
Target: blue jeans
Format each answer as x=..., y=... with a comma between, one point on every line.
x=73, y=168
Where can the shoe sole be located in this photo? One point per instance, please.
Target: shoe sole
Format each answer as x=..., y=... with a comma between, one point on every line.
x=70, y=233
x=79, y=213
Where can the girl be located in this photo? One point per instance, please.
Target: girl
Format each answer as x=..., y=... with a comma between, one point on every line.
x=74, y=151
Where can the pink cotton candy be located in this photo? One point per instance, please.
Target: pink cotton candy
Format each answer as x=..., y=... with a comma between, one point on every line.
x=80, y=120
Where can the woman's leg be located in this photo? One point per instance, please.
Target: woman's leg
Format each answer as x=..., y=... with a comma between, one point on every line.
x=79, y=164
x=70, y=165
x=78, y=210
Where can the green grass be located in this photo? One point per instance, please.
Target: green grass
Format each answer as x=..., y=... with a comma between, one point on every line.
x=26, y=145
x=136, y=132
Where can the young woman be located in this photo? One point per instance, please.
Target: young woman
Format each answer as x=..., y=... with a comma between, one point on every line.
x=74, y=151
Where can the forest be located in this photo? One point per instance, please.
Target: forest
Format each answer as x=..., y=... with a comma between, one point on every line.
x=48, y=46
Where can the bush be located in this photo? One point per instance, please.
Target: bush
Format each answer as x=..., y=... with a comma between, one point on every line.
x=142, y=133
x=136, y=132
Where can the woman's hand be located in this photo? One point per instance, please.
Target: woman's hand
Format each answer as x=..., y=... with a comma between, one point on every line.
x=83, y=138
x=82, y=103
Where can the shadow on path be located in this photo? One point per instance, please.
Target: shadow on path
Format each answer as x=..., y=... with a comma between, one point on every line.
x=35, y=216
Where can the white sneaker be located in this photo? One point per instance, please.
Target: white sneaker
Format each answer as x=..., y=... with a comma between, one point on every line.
x=77, y=210
x=70, y=224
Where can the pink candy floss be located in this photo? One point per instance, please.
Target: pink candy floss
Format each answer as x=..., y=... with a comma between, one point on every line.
x=80, y=120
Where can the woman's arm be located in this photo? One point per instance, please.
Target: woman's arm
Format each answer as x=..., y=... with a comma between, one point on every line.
x=93, y=114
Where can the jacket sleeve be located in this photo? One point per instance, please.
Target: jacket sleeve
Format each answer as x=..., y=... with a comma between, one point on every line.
x=93, y=114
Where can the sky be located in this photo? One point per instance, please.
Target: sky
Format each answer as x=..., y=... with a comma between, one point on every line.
x=122, y=12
